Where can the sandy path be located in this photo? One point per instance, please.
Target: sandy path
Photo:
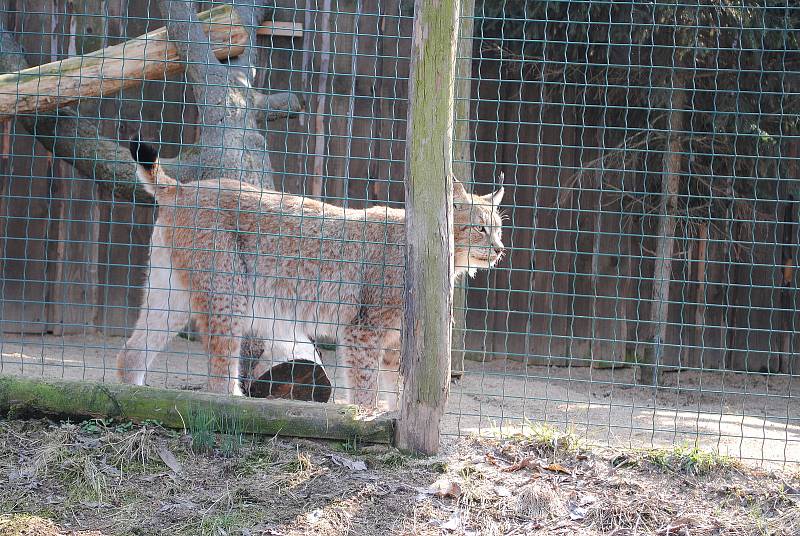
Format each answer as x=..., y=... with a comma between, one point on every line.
x=749, y=416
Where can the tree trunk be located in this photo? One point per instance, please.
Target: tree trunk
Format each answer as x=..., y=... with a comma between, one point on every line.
x=667, y=220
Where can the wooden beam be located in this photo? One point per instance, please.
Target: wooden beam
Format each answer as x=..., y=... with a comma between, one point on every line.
x=109, y=70
x=429, y=226
x=280, y=29
x=24, y=396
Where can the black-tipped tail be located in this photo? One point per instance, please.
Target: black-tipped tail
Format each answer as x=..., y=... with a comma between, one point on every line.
x=146, y=155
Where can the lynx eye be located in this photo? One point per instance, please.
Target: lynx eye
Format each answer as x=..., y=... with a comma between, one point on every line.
x=481, y=229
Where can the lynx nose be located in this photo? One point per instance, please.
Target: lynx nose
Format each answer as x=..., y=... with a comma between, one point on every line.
x=498, y=250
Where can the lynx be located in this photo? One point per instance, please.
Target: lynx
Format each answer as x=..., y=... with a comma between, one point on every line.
x=288, y=269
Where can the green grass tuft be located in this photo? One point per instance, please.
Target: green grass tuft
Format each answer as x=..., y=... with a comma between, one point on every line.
x=689, y=460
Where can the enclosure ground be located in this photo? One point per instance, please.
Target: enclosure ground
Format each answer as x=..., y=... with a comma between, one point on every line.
x=753, y=417
x=97, y=478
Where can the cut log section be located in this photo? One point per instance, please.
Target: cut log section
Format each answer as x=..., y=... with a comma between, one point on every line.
x=280, y=29
x=111, y=69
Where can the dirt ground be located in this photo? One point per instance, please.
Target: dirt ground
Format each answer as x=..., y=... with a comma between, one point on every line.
x=752, y=417
x=563, y=451
x=97, y=478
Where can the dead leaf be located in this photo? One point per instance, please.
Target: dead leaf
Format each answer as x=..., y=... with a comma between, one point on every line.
x=558, y=468
x=445, y=488
x=170, y=460
x=526, y=463
x=353, y=465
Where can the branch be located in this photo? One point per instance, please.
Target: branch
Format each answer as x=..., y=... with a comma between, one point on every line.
x=111, y=69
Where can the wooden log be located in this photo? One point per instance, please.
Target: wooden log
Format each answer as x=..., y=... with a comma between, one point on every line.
x=429, y=226
x=25, y=396
x=109, y=70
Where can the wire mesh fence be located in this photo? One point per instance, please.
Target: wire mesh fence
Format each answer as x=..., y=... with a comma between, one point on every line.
x=647, y=291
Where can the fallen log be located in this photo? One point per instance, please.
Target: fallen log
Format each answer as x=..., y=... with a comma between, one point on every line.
x=108, y=70
x=26, y=396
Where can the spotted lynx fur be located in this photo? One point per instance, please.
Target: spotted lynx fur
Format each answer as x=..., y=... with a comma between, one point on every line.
x=287, y=269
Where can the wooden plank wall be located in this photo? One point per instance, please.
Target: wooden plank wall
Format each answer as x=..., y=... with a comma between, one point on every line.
x=574, y=289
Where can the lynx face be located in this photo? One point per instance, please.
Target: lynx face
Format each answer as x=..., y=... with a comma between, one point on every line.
x=477, y=229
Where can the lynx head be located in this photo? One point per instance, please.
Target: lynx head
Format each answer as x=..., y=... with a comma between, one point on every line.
x=477, y=229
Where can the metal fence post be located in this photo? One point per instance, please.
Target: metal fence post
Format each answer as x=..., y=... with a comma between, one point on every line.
x=429, y=226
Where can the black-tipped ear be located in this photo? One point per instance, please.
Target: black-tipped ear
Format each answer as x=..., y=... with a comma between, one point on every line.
x=146, y=155
x=459, y=192
x=501, y=179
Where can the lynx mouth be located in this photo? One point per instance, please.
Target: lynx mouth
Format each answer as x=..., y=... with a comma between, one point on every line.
x=491, y=260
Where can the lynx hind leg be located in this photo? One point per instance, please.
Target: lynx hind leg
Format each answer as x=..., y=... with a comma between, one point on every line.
x=222, y=339
x=390, y=378
x=361, y=355
x=163, y=314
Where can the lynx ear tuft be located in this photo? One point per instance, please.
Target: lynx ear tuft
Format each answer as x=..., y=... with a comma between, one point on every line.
x=459, y=192
x=497, y=197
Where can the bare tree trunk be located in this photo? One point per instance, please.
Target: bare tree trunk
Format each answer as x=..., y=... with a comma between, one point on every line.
x=700, y=300
x=667, y=220
x=322, y=99
x=788, y=291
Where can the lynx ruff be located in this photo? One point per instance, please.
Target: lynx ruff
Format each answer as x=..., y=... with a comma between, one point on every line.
x=288, y=269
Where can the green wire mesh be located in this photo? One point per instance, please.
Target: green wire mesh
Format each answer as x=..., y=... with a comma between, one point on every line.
x=648, y=294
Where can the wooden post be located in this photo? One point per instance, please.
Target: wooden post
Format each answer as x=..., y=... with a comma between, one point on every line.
x=429, y=226
x=462, y=162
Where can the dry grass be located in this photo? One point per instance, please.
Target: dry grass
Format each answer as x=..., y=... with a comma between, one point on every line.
x=106, y=478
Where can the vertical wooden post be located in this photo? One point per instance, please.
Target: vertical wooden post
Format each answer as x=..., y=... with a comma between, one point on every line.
x=462, y=161
x=429, y=226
